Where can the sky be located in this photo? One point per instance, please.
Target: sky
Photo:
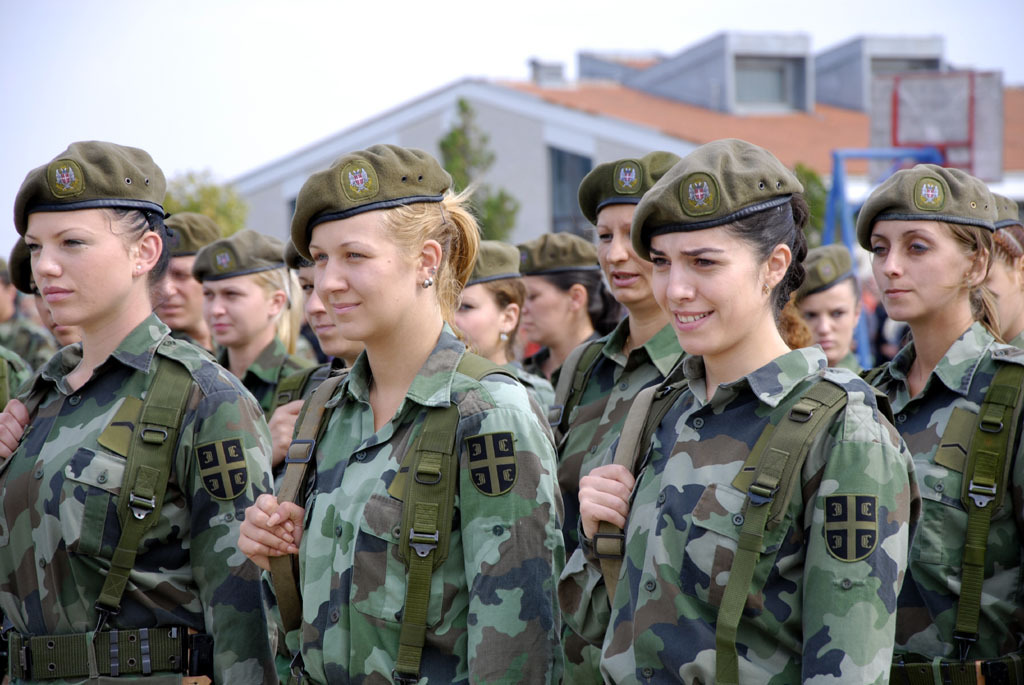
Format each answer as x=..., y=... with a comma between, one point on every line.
x=231, y=85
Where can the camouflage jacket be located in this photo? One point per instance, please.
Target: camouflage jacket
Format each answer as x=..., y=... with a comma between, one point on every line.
x=850, y=362
x=18, y=371
x=28, y=340
x=58, y=507
x=823, y=613
x=928, y=602
x=493, y=614
x=538, y=387
x=1018, y=341
x=263, y=375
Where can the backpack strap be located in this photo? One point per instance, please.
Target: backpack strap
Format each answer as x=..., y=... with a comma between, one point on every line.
x=5, y=379
x=572, y=379
x=985, y=479
x=779, y=458
x=428, y=510
x=284, y=570
x=871, y=375
x=149, y=461
x=292, y=386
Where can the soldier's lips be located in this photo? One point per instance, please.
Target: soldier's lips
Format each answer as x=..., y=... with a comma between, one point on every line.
x=52, y=295
x=689, y=321
x=343, y=308
x=622, y=279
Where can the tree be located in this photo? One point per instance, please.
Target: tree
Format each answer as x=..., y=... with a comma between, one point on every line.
x=816, y=195
x=197, y=192
x=465, y=155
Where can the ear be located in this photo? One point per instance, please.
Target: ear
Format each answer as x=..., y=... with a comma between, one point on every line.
x=429, y=260
x=276, y=303
x=508, y=318
x=578, y=297
x=148, y=250
x=775, y=267
x=978, y=272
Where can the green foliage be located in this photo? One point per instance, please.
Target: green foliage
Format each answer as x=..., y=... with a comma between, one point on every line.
x=197, y=192
x=466, y=156
x=816, y=195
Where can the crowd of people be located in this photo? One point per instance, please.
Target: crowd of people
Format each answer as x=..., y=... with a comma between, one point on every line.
x=236, y=459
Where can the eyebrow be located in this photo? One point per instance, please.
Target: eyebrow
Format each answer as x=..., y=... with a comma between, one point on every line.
x=341, y=246
x=57, y=234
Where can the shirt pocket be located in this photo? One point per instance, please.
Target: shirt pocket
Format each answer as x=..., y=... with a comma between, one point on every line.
x=943, y=524
x=88, y=509
x=379, y=576
x=713, y=539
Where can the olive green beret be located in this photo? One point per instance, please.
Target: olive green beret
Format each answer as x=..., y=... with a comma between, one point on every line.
x=495, y=260
x=192, y=231
x=622, y=182
x=21, y=267
x=1007, y=213
x=379, y=177
x=554, y=253
x=245, y=252
x=927, y=192
x=718, y=183
x=88, y=175
x=826, y=266
x=293, y=259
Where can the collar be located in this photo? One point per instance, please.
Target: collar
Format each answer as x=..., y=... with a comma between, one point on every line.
x=956, y=368
x=771, y=383
x=662, y=349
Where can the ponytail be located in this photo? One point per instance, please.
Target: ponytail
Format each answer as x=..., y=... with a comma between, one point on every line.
x=793, y=327
x=977, y=244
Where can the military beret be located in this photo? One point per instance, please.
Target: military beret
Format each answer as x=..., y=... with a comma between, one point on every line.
x=554, y=253
x=21, y=267
x=825, y=266
x=622, y=182
x=191, y=231
x=293, y=259
x=495, y=261
x=245, y=252
x=1007, y=213
x=379, y=177
x=716, y=184
x=927, y=192
x=88, y=175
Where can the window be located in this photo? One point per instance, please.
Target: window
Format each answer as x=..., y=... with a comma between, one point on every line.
x=768, y=81
x=567, y=172
x=892, y=65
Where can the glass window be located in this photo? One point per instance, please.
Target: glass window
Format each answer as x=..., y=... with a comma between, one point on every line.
x=567, y=172
x=760, y=83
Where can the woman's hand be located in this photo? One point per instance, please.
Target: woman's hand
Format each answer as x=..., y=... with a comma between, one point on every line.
x=604, y=496
x=12, y=426
x=270, y=529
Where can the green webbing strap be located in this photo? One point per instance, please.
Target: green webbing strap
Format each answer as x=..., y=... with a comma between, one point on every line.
x=292, y=386
x=115, y=653
x=870, y=375
x=778, y=470
x=984, y=485
x=284, y=570
x=913, y=669
x=572, y=379
x=5, y=379
x=148, y=468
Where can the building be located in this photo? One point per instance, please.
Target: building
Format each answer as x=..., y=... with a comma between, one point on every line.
x=547, y=133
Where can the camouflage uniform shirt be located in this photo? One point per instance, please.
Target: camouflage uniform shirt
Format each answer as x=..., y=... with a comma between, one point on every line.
x=928, y=602
x=538, y=387
x=28, y=340
x=850, y=362
x=58, y=508
x=18, y=371
x=492, y=615
x=816, y=618
x=263, y=375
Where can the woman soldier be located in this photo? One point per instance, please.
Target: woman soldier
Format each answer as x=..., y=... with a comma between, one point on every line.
x=180, y=302
x=567, y=303
x=131, y=459
x=488, y=314
x=829, y=301
x=960, y=617
x=1006, y=274
x=456, y=589
x=766, y=531
x=247, y=293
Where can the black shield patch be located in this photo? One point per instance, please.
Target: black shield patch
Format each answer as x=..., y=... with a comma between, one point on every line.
x=851, y=526
x=222, y=468
x=492, y=462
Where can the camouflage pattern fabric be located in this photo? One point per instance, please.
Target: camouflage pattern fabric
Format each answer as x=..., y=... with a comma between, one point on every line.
x=537, y=387
x=28, y=340
x=928, y=602
x=263, y=375
x=182, y=335
x=534, y=364
x=825, y=612
x=18, y=371
x=58, y=507
x=493, y=614
x=850, y=362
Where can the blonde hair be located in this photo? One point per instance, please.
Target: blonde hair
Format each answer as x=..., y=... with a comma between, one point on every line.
x=289, y=320
x=977, y=244
x=792, y=326
x=451, y=224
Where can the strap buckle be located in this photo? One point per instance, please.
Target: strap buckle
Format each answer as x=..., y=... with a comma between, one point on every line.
x=404, y=678
x=964, y=642
x=103, y=614
x=760, y=495
x=310, y=445
x=141, y=506
x=423, y=544
x=154, y=435
x=555, y=415
x=620, y=537
x=981, y=494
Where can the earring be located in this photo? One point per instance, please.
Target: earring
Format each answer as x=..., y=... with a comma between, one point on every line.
x=427, y=282
x=503, y=337
x=764, y=289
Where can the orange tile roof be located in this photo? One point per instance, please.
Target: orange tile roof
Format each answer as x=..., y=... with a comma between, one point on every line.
x=797, y=137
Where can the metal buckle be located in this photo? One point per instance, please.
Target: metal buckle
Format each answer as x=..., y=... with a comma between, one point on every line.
x=964, y=642
x=621, y=537
x=990, y=426
x=555, y=414
x=311, y=444
x=154, y=436
x=103, y=615
x=423, y=543
x=981, y=494
x=141, y=506
x=404, y=678
x=759, y=495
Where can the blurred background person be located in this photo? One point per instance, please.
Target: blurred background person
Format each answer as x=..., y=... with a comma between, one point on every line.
x=21, y=277
x=829, y=301
x=19, y=334
x=180, y=296
x=1006, y=273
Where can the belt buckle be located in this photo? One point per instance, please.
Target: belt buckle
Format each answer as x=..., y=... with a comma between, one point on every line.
x=404, y=678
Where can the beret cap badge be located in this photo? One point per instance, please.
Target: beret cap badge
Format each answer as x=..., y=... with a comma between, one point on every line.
x=699, y=195
x=223, y=260
x=929, y=195
x=359, y=180
x=628, y=177
x=66, y=178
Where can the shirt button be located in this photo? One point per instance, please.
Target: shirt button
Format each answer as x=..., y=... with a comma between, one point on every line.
x=661, y=498
x=737, y=519
x=698, y=422
x=623, y=386
x=593, y=449
x=847, y=583
x=38, y=474
x=74, y=400
x=102, y=478
x=338, y=529
x=42, y=563
x=229, y=516
x=647, y=672
x=940, y=486
x=498, y=530
x=335, y=615
x=360, y=456
x=650, y=585
x=901, y=418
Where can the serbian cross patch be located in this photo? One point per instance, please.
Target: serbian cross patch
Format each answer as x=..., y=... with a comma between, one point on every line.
x=492, y=462
x=222, y=468
x=851, y=526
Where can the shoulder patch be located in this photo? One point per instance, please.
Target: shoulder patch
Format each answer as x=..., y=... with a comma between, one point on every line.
x=851, y=526
x=492, y=462
x=222, y=468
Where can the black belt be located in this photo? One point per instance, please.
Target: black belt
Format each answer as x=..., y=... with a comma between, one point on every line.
x=910, y=669
x=114, y=653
